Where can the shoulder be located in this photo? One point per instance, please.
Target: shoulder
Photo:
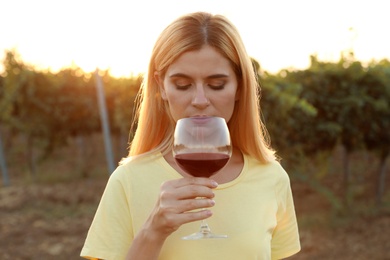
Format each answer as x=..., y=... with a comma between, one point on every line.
x=149, y=170
x=271, y=175
x=132, y=166
x=272, y=168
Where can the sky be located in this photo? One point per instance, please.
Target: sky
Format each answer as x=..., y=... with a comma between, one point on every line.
x=118, y=35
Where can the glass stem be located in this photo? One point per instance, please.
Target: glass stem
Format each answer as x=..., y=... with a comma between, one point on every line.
x=204, y=227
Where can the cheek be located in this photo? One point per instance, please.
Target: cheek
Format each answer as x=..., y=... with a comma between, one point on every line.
x=228, y=100
x=178, y=104
x=176, y=98
x=226, y=105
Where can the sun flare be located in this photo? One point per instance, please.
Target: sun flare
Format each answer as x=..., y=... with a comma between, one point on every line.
x=119, y=36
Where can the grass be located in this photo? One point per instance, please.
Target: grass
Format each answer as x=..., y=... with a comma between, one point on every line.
x=47, y=215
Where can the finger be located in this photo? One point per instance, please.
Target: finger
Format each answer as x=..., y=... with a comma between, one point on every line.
x=194, y=191
x=195, y=216
x=186, y=192
x=171, y=222
x=194, y=204
x=169, y=195
x=192, y=181
x=171, y=216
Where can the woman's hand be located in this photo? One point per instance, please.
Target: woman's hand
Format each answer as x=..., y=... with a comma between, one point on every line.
x=179, y=203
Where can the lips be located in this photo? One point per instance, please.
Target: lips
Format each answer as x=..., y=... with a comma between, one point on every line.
x=201, y=119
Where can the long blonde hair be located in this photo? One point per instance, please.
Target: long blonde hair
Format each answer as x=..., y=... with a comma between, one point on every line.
x=153, y=123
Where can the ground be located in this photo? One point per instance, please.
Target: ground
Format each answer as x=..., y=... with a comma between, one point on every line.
x=50, y=221
x=48, y=217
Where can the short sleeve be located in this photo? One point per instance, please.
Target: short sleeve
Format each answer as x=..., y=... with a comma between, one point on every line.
x=285, y=238
x=110, y=233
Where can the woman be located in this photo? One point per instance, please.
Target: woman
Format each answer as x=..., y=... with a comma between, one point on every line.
x=199, y=67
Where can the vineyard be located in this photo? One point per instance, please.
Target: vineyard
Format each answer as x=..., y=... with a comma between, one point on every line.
x=329, y=124
x=47, y=218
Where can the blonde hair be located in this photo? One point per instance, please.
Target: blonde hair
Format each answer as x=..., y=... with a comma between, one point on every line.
x=153, y=123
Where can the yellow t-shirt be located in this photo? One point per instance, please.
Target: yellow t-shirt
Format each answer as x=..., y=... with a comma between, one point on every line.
x=255, y=210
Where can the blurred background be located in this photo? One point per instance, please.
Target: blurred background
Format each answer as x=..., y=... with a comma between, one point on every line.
x=69, y=73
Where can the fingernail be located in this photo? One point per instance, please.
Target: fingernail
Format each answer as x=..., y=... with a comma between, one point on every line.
x=214, y=184
x=208, y=213
x=212, y=202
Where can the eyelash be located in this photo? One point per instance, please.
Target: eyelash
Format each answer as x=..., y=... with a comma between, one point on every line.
x=214, y=87
x=182, y=87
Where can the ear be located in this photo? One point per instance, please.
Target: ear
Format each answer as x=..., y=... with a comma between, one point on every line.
x=160, y=83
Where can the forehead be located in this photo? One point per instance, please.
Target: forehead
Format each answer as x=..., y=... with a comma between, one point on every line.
x=204, y=61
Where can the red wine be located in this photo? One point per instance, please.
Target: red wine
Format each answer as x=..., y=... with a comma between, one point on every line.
x=201, y=164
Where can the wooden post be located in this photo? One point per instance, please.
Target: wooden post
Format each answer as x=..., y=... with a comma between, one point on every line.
x=3, y=165
x=104, y=122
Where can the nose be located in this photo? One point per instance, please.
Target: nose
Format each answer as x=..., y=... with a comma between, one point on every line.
x=200, y=100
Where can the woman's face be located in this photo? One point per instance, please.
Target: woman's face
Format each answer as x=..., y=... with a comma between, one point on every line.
x=200, y=83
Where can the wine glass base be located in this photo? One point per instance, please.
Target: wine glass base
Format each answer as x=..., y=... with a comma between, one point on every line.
x=203, y=235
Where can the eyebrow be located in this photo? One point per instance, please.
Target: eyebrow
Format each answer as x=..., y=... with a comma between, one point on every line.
x=214, y=76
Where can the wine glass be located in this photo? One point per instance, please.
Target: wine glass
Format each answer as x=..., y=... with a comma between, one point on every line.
x=202, y=147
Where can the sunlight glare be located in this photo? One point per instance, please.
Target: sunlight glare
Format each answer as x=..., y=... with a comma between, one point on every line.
x=118, y=35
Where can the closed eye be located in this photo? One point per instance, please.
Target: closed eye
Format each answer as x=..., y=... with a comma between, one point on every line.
x=216, y=83
x=182, y=87
x=217, y=87
x=182, y=83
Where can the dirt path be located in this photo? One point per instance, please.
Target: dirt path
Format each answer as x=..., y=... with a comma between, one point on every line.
x=50, y=222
